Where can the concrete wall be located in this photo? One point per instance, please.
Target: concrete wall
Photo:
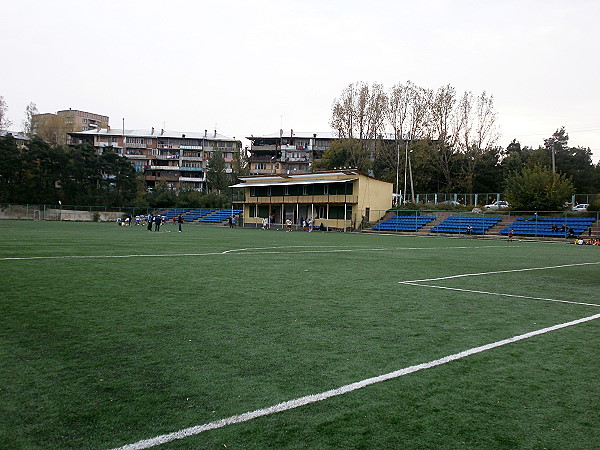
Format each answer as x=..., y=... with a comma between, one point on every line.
x=41, y=212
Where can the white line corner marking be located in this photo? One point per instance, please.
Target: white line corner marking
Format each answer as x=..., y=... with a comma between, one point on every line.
x=302, y=401
x=421, y=283
x=527, y=269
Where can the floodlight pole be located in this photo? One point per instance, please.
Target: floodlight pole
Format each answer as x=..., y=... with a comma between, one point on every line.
x=405, y=172
x=412, y=186
x=397, y=170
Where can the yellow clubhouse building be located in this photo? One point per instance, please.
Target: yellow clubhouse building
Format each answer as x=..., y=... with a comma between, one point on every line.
x=338, y=199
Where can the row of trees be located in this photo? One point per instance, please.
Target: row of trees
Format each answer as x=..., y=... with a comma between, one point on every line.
x=39, y=172
x=446, y=141
x=454, y=127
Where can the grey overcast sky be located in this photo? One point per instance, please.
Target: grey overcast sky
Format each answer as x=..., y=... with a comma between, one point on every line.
x=251, y=67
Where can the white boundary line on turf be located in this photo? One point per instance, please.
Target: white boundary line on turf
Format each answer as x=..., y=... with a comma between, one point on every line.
x=306, y=400
x=498, y=271
x=242, y=251
x=500, y=294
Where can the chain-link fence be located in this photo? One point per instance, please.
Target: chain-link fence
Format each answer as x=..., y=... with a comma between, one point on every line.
x=479, y=199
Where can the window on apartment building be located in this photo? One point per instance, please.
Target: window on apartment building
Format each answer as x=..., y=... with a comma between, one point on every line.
x=148, y=141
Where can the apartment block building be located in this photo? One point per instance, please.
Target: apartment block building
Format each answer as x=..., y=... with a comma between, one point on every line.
x=287, y=152
x=20, y=139
x=177, y=158
x=53, y=128
x=77, y=120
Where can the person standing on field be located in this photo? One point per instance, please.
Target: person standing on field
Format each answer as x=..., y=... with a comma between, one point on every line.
x=149, y=218
x=180, y=222
x=157, y=222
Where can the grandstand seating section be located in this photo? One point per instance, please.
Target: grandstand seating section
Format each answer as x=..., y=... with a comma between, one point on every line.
x=196, y=214
x=221, y=215
x=403, y=223
x=204, y=214
x=458, y=224
x=175, y=212
x=542, y=226
x=532, y=226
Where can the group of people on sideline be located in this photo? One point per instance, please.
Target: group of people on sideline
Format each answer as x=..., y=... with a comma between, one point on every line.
x=587, y=242
x=151, y=220
x=305, y=224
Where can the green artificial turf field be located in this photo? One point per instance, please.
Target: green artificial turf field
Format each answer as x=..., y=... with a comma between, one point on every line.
x=113, y=335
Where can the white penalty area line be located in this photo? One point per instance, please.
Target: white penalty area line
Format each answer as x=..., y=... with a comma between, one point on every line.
x=247, y=251
x=306, y=400
x=500, y=294
x=463, y=275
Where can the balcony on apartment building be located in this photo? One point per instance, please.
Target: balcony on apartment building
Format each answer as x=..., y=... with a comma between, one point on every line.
x=134, y=145
x=107, y=144
x=264, y=159
x=135, y=155
x=296, y=159
x=192, y=158
x=170, y=168
x=167, y=156
x=289, y=169
x=190, y=169
x=192, y=179
x=265, y=148
x=162, y=177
